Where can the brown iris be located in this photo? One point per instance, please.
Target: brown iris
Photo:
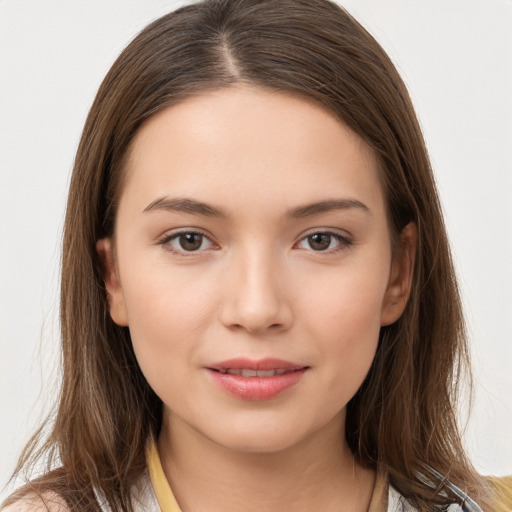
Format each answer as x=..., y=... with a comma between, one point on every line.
x=190, y=241
x=319, y=241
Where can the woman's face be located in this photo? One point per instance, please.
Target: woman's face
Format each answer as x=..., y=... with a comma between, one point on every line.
x=252, y=265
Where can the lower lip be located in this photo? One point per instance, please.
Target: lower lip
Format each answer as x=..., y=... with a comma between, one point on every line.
x=256, y=388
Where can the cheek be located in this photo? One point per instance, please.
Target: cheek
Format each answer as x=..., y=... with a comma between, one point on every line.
x=344, y=319
x=346, y=302
x=168, y=312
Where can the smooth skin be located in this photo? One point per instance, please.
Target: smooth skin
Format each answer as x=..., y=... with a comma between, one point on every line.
x=218, y=253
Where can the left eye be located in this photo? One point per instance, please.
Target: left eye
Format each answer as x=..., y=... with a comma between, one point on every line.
x=322, y=241
x=187, y=242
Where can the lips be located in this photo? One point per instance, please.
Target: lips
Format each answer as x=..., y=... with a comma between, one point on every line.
x=263, y=379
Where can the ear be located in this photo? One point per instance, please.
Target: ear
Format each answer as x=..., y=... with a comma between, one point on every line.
x=115, y=296
x=401, y=276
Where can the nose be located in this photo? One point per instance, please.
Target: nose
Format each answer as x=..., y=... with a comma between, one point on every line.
x=255, y=297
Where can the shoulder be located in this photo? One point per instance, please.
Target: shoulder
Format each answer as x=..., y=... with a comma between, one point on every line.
x=47, y=502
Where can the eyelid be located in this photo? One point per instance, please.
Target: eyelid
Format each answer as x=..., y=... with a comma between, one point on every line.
x=328, y=231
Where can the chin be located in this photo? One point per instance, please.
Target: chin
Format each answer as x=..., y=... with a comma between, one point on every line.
x=260, y=435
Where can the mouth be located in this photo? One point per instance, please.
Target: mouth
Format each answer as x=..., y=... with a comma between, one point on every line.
x=256, y=380
x=246, y=372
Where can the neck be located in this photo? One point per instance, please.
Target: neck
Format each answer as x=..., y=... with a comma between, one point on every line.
x=319, y=473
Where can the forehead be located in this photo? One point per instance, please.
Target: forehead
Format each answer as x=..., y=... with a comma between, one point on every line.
x=240, y=145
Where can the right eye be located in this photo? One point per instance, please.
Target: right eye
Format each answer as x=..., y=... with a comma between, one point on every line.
x=327, y=242
x=186, y=242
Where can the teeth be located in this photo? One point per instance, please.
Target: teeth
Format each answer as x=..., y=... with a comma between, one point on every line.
x=267, y=373
x=245, y=372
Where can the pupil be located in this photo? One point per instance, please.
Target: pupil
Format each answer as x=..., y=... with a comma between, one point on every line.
x=191, y=241
x=320, y=241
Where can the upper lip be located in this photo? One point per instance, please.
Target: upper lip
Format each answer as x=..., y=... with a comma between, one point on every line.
x=269, y=363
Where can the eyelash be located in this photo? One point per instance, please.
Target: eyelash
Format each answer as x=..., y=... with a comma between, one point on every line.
x=343, y=242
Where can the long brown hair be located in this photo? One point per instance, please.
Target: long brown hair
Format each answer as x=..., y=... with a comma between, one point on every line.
x=403, y=418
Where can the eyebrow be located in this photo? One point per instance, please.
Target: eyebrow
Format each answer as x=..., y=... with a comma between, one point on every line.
x=185, y=205
x=191, y=206
x=328, y=206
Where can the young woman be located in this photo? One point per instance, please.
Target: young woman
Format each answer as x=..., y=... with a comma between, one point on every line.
x=258, y=305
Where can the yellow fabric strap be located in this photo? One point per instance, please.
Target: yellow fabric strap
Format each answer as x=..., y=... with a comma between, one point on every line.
x=502, y=492
x=159, y=482
x=379, y=501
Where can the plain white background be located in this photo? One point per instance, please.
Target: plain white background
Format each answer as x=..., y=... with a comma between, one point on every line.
x=456, y=58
